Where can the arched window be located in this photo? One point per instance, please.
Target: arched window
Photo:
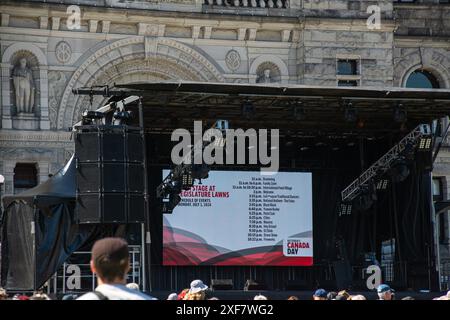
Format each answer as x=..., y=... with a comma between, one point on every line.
x=422, y=79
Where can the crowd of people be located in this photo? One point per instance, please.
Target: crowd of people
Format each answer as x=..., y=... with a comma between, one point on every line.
x=110, y=262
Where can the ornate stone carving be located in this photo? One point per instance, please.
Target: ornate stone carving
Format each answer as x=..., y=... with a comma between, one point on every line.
x=233, y=60
x=267, y=72
x=63, y=52
x=56, y=81
x=169, y=50
x=24, y=87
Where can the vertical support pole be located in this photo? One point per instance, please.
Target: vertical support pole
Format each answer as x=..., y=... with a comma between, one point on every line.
x=147, y=237
x=435, y=245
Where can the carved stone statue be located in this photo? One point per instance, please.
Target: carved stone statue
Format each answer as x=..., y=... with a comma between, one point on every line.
x=265, y=77
x=24, y=87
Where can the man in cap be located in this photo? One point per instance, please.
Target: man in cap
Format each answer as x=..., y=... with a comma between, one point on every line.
x=110, y=262
x=385, y=292
x=320, y=294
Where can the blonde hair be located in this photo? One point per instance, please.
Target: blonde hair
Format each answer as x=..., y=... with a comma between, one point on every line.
x=344, y=293
x=195, y=296
x=357, y=297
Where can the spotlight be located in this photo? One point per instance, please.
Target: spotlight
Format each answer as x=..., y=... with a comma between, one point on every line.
x=248, y=109
x=200, y=171
x=399, y=172
x=367, y=198
x=170, y=203
x=122, y=117
x=90, y=117
x=400, y=114
x=350, y=114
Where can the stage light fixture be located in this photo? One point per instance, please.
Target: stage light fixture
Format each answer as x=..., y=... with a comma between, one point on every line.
x=90, y=117
x=248, y=109
x=425, y=143
x=400, y=172
x=400, y=114
x=169, y=204
x=382, y=184
x=187, y=181
x=350, y=114
x=345, y=209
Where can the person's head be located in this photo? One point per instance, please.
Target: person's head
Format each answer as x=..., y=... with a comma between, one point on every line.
x=197, y=286
x=38, y=295
x=344, y=293
x=183, y=294
x=385, y=292
x=172, y=296
x=340, y=297
x=357, y=297
x=3, y=294
x=331, y=295
x=267, y=73
x=260, y=297
x=133, y=286
x=320, y=294
x=195, y=296
x=293, y=298
x=110, y=260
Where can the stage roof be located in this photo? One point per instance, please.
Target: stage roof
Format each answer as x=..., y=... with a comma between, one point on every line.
x=170, y=105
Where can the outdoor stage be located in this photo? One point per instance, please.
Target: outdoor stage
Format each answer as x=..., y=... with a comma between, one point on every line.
x=334, y=133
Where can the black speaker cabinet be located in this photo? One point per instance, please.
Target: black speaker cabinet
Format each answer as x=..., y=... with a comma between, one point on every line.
x=110, y=175
x=102, y=208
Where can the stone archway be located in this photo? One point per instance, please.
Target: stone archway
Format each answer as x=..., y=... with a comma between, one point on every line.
x=134, y=60
x=433, y=60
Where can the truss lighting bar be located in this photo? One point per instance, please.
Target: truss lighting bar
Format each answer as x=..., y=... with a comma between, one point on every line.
x=383, y=164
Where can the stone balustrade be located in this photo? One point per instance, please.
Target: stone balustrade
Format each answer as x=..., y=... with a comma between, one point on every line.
x=270, y=4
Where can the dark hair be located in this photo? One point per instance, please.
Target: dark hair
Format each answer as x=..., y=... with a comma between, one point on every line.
x=331, y=295
x=111, y=270
x=110, y=257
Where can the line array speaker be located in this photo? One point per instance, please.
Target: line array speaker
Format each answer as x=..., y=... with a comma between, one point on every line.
x=110, y=174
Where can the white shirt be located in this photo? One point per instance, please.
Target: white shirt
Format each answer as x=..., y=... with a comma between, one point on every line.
x=116, y=292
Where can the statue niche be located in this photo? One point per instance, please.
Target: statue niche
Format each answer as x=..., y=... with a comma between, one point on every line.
x=24, y=87
x=268, y=72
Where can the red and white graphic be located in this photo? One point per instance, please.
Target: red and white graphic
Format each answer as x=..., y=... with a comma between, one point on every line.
x=242, y=218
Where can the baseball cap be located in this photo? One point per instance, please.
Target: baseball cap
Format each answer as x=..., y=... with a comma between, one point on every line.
x=321, y=293
x=383, y=288
x=197, y=286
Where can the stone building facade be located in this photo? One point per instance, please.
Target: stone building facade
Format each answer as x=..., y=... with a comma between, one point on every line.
x=248, y=41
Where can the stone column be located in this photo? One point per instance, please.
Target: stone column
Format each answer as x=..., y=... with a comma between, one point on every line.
x=43, y=80
x=8, y=173
x=43, y=169
x=6, y=96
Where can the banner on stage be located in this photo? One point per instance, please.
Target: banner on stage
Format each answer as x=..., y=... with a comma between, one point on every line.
x=242, y=218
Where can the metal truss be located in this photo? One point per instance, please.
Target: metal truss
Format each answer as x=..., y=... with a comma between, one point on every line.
x=383, y=164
